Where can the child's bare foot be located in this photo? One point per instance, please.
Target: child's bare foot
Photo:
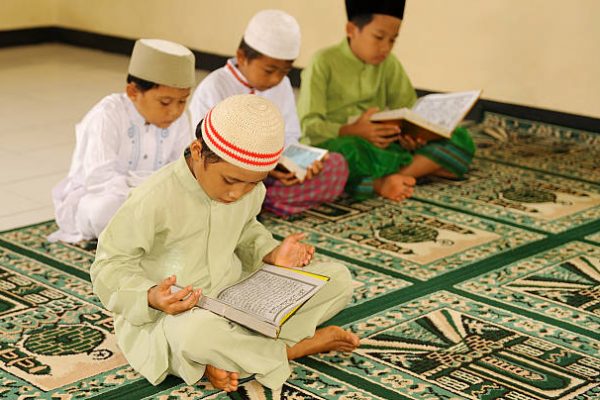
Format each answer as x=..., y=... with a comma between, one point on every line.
x=325, y=339
x=395, y=186
x=221, y=379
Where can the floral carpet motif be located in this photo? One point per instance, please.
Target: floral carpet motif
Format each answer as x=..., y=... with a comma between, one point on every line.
x=445, y=346
x=549, y=148
x=412, y=239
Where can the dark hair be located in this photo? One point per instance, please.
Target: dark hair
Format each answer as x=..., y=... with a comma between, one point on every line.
x=249, y=52
x=209, y=156
x=362, y=20
x=142, y=84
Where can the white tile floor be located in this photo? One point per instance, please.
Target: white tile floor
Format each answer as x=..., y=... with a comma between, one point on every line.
x=44, y=91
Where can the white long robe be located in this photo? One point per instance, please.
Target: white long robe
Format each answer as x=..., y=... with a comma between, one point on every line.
x=115, y=150
x=228, y=81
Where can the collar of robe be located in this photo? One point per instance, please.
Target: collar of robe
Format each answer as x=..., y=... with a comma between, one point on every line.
x=232, y=69
x=189, y=182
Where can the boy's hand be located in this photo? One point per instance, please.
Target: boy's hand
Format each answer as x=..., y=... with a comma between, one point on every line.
x=291, y=252
x=161, y=298
x=411, y=143
x=286, y=178
x=381, y=135
x=315, y=168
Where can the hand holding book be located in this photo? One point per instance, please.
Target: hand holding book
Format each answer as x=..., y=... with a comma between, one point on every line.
x=411, y=143
x=264, y=300
x=433, y=116
x=379, y=134
x=299, y=162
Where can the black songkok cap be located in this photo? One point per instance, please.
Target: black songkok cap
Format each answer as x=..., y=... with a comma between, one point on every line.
x=394, y=8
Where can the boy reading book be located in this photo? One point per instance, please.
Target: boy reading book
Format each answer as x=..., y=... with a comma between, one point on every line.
x=265, y=55
x=193, y=224
x=359, y=77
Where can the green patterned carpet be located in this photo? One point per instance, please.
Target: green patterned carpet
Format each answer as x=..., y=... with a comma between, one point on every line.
x=488, y=288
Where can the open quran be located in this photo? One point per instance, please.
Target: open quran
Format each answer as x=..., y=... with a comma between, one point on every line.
x=297, y=158
x=267, y=298
x=433, y=116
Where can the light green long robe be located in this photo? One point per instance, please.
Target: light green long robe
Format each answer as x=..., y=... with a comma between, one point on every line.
x=170, y=226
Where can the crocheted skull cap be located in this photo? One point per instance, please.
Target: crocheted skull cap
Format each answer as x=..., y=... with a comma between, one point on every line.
x=274, y=33
x=245, y=130
x=163, y=62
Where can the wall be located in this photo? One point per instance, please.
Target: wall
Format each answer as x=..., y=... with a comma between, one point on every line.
x=539, y=53
x=20, y=14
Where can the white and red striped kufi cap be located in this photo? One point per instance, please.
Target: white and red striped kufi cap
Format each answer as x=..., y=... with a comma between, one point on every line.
x=245, y=130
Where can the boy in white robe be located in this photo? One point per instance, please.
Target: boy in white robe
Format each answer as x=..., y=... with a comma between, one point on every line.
x=125, y=137
x=263, y=59
x=204, y=238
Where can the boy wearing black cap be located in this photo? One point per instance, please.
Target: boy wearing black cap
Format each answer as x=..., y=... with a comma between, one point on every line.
x=358, y=77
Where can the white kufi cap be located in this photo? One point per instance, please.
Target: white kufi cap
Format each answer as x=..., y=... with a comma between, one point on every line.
x=163, y=62
x=274, y=33
x=245, y=130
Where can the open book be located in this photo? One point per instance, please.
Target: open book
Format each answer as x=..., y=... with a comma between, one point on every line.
x=266, y=298
x=298, y=157
x=433, y=116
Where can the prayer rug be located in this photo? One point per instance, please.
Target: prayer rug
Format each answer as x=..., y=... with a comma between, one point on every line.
x=486, y=288
x=562, y=151
x=594, y=237
x=305, y=384
x=412, y=239
x=561, y=283
x=75, y=259
x=445, y=346
x=524, y=197
x=56, y=335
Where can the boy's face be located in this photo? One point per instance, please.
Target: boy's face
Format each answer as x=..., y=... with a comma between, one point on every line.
x=222, y=181
x=374, y=42
x=264, y=72
x=159, y=106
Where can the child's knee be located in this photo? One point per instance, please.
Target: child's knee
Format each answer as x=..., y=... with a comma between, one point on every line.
x=336, y=161
x=196, y=331
x=94, y=212
x=340, y=278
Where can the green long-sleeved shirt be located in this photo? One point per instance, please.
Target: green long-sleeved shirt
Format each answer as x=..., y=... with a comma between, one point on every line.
x=337, y=85
x=169, y=226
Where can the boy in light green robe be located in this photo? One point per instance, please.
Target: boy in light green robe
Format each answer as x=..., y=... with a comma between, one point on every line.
x=193, y=224
x=358, y=77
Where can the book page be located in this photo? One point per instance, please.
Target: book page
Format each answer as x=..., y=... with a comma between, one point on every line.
x=270, y=294
x=446, y=110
